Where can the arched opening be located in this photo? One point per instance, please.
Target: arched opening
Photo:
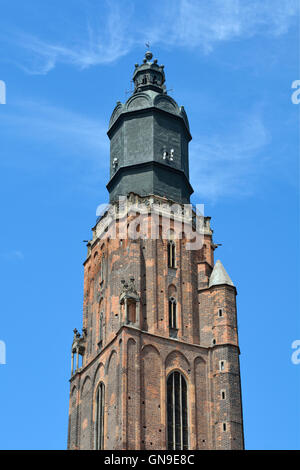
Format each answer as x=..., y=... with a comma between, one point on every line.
x=177, y=417
x=171, y=254
x=102, y=269
x=99, y=424
x=100, y=342
x=172, y=313
x=171, y=250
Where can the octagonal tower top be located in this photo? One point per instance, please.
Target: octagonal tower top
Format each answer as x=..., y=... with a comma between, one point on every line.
x=149, y=137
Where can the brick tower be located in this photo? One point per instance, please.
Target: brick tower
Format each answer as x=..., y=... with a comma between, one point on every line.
x=157, y=363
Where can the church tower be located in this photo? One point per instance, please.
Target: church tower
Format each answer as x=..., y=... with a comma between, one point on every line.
x=157, y=363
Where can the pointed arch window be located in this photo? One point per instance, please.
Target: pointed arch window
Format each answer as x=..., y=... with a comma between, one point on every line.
x=177, y=417
x=171, y=254
x=99, y=434
x=172, y=313
x=100, y=343
x=102, y=269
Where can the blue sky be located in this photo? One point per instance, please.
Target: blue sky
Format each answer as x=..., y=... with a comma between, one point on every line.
x=231, y=63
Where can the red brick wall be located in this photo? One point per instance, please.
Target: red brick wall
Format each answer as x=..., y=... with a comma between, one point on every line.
x=134, y=361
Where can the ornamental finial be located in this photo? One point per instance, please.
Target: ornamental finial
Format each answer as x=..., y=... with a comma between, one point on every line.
x=148, y=55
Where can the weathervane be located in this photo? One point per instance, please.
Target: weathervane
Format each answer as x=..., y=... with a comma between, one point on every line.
x=147, y=44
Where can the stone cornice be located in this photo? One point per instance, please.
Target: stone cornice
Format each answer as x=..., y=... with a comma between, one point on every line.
x=150, y=164
x=217, y=286
x=204, y=349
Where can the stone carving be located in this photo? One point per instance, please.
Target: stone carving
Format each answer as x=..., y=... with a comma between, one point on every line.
x=168, y=155
x=78, y=347
x=128, y=290
x=115, y=163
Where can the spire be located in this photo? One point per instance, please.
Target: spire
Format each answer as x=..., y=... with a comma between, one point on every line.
x=149, y=75
x=219, y=275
